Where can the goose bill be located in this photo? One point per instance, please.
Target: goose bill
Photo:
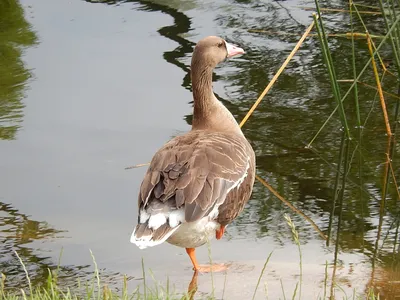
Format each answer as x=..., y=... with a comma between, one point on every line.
x=233, y=50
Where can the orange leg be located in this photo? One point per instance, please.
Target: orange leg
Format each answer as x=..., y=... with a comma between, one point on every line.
x=204, y=269
x=220, y=232
x=192, y=254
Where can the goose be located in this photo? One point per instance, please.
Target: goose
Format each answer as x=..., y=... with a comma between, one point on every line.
x=199, y=182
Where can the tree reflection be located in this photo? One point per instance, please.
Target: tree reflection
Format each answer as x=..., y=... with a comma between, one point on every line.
x=18, y=232
x=292, y=113
x=16, y=33
x=346, y=200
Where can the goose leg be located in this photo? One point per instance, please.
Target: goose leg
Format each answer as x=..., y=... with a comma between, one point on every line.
x=204, y=269
x=192, y=255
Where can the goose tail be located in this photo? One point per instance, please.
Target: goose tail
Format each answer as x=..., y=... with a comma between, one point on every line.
x=155, y=229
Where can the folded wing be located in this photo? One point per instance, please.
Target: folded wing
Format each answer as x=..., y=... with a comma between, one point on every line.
x=187, y=178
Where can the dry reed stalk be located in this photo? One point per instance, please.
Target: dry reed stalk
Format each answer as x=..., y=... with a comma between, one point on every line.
x=348, y=35
x=379, y=87
x=137, y=166
x=368, y=6
x=373, y=44
x=271, y=83
x=385, y=176
x=382, y=205
x=384, y=68
x=361, y=35
x=369, y=86
x=393, y=176
x=296, y=210
x=341, y=10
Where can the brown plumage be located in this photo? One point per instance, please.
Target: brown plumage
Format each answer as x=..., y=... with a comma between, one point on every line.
x=199, y=182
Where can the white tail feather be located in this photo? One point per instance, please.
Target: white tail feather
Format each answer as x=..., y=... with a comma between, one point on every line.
x=174, y=218
x=147, y=241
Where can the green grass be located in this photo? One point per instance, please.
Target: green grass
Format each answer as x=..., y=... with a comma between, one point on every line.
x=90, y=289
x=95, y=289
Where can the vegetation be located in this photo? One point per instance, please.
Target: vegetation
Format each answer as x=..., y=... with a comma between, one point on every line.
x=94, y=289
x=352, y=139
x=370, y=74
x=15, y=34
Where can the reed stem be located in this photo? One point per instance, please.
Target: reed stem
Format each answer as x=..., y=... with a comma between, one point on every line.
x=319, y=25
x=340, y=209
x=354, y=82
x=271, y=83
x=296, y=210
x=379, y=87
x=335, y=188
x=353, y=61
x=366, y=29
x=392, y=42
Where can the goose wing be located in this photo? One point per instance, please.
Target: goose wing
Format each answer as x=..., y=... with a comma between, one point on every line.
x=196, y=171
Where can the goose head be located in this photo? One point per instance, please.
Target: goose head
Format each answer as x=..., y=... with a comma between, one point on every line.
x=212, y=50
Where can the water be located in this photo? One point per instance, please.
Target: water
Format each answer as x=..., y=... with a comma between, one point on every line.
x=88, y=89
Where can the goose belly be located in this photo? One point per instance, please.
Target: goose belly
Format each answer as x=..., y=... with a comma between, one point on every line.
x=194, y=234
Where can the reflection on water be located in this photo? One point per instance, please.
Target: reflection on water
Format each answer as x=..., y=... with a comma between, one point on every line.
x=19, y=231
x=181, y=26
x=21, y=234
x=343, y=185
x=15, y=34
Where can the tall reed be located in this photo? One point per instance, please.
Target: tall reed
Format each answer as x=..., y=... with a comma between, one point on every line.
x=326, y=53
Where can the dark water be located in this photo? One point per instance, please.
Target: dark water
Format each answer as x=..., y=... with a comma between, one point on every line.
x=89, y=88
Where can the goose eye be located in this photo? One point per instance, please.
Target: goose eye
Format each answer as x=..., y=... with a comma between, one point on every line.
x=220, y=44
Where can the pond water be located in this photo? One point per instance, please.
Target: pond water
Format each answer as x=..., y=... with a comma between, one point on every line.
x=89, y=88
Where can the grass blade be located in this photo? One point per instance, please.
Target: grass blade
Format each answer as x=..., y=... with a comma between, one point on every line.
x=355, y=81
x=26, y=274
x=261, y=275
x=394, y=48
x=319, y=25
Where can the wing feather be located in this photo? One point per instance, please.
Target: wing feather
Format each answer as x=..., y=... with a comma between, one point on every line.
x=197, y=170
